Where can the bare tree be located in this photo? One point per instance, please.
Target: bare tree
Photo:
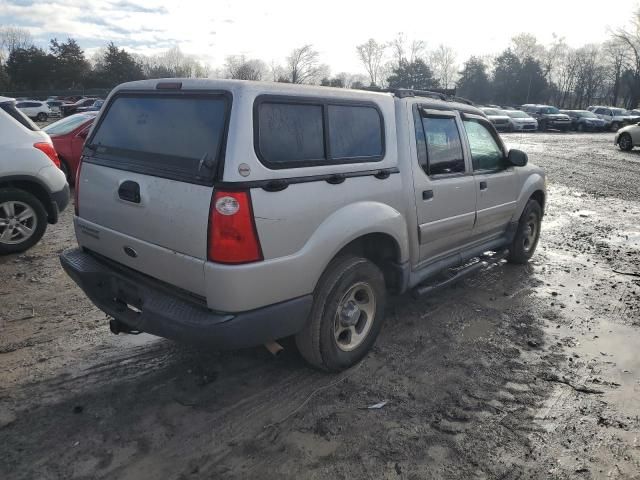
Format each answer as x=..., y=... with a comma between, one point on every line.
x=630, y=38
x=443, y=64
x=302, y=65
x=243, y=68
x=371, y=54
x=526, y=45
x=11, y=39
x=616, y=61
x=400, y=53
x=172, y=63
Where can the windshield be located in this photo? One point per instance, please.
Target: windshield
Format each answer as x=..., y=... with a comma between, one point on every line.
x=66, y=125
x=516, y=114
x=10, y=108
x=618, y=112
x=170, y=136
x=491, y=111
x=550, y=110
x=586, y=114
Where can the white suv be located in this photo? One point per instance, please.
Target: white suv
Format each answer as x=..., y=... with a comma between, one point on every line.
x=39, y=111
x=33, y=189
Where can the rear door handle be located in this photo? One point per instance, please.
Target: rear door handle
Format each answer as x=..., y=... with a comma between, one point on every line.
x=483, y=185
x=427, y=194
x=129, y=191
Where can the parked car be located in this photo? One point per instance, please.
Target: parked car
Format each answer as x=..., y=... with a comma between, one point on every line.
x=71, y=108
x=54, y=106
x=628, y=137
x=633, y=116
x=615, y=118
x=94, y=107
x=325, y=202
x=521, y=121
x=548, y=117
x=33, y=190
x=35, y=109
x=68, y=136
x=583, y=120
x=499, y=119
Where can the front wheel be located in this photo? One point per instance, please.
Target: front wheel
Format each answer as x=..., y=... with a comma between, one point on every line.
x=23, y=220
x=527, y=234
x=625, y=142
x=347, y=314
x=615, y=126
x=42, y=117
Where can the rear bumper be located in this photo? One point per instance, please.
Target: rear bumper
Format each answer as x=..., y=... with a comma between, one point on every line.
x=174, y=314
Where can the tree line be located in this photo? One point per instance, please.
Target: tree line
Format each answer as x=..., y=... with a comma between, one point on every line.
x=525, y=72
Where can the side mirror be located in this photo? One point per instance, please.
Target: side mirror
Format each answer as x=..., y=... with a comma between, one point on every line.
x=517, y=158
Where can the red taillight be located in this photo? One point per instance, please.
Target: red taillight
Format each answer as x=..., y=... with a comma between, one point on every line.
x=76, y=188
x=49, y=151
x=232, y=232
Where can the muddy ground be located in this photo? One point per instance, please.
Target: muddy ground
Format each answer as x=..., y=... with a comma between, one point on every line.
x=519, y=372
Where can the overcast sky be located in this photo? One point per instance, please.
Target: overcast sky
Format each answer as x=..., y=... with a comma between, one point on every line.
x=269, y=29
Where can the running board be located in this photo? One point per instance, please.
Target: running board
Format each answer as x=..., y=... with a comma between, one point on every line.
x=484, y=262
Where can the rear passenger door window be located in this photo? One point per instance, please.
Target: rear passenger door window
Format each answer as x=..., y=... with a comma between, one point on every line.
x=486, y=154
x=291, y=133
x=439, y=141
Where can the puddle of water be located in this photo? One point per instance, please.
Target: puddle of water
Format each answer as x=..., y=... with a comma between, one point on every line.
x=615, y=349
x=626, y=238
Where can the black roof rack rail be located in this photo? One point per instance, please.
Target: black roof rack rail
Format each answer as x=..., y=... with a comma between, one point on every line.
x=444, y=94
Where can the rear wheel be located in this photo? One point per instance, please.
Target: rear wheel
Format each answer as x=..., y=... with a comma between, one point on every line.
x=42, y=117
x=527, y=235
x=347, y=314
x=625, y=142
x=23, y=220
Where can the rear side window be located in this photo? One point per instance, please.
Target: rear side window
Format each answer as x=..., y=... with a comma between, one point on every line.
x=18, y=116
x=169, y=136
x=354, y=132
x=292, y=133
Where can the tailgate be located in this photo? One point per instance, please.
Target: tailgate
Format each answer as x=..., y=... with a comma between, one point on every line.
x=146, y=181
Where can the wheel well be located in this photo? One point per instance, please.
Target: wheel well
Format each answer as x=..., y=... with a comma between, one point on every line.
x=36, y=190
x=383, y=250
x=539, y=197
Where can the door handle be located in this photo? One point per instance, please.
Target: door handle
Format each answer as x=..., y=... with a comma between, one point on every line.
x=483, y=185
x=427, y=194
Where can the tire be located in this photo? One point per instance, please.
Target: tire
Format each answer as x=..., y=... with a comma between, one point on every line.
x=615, y=126
x=19, y=203
x=65, y=169
x=42, y=117
x=625, y=142
x=527, y=235
x=543, y=126
x=352, y=285
x=581, y=127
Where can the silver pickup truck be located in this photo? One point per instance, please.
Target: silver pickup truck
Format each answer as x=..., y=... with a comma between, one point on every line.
x=233, y=213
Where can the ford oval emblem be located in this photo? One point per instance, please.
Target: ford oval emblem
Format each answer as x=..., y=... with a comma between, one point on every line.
x=131, y=252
